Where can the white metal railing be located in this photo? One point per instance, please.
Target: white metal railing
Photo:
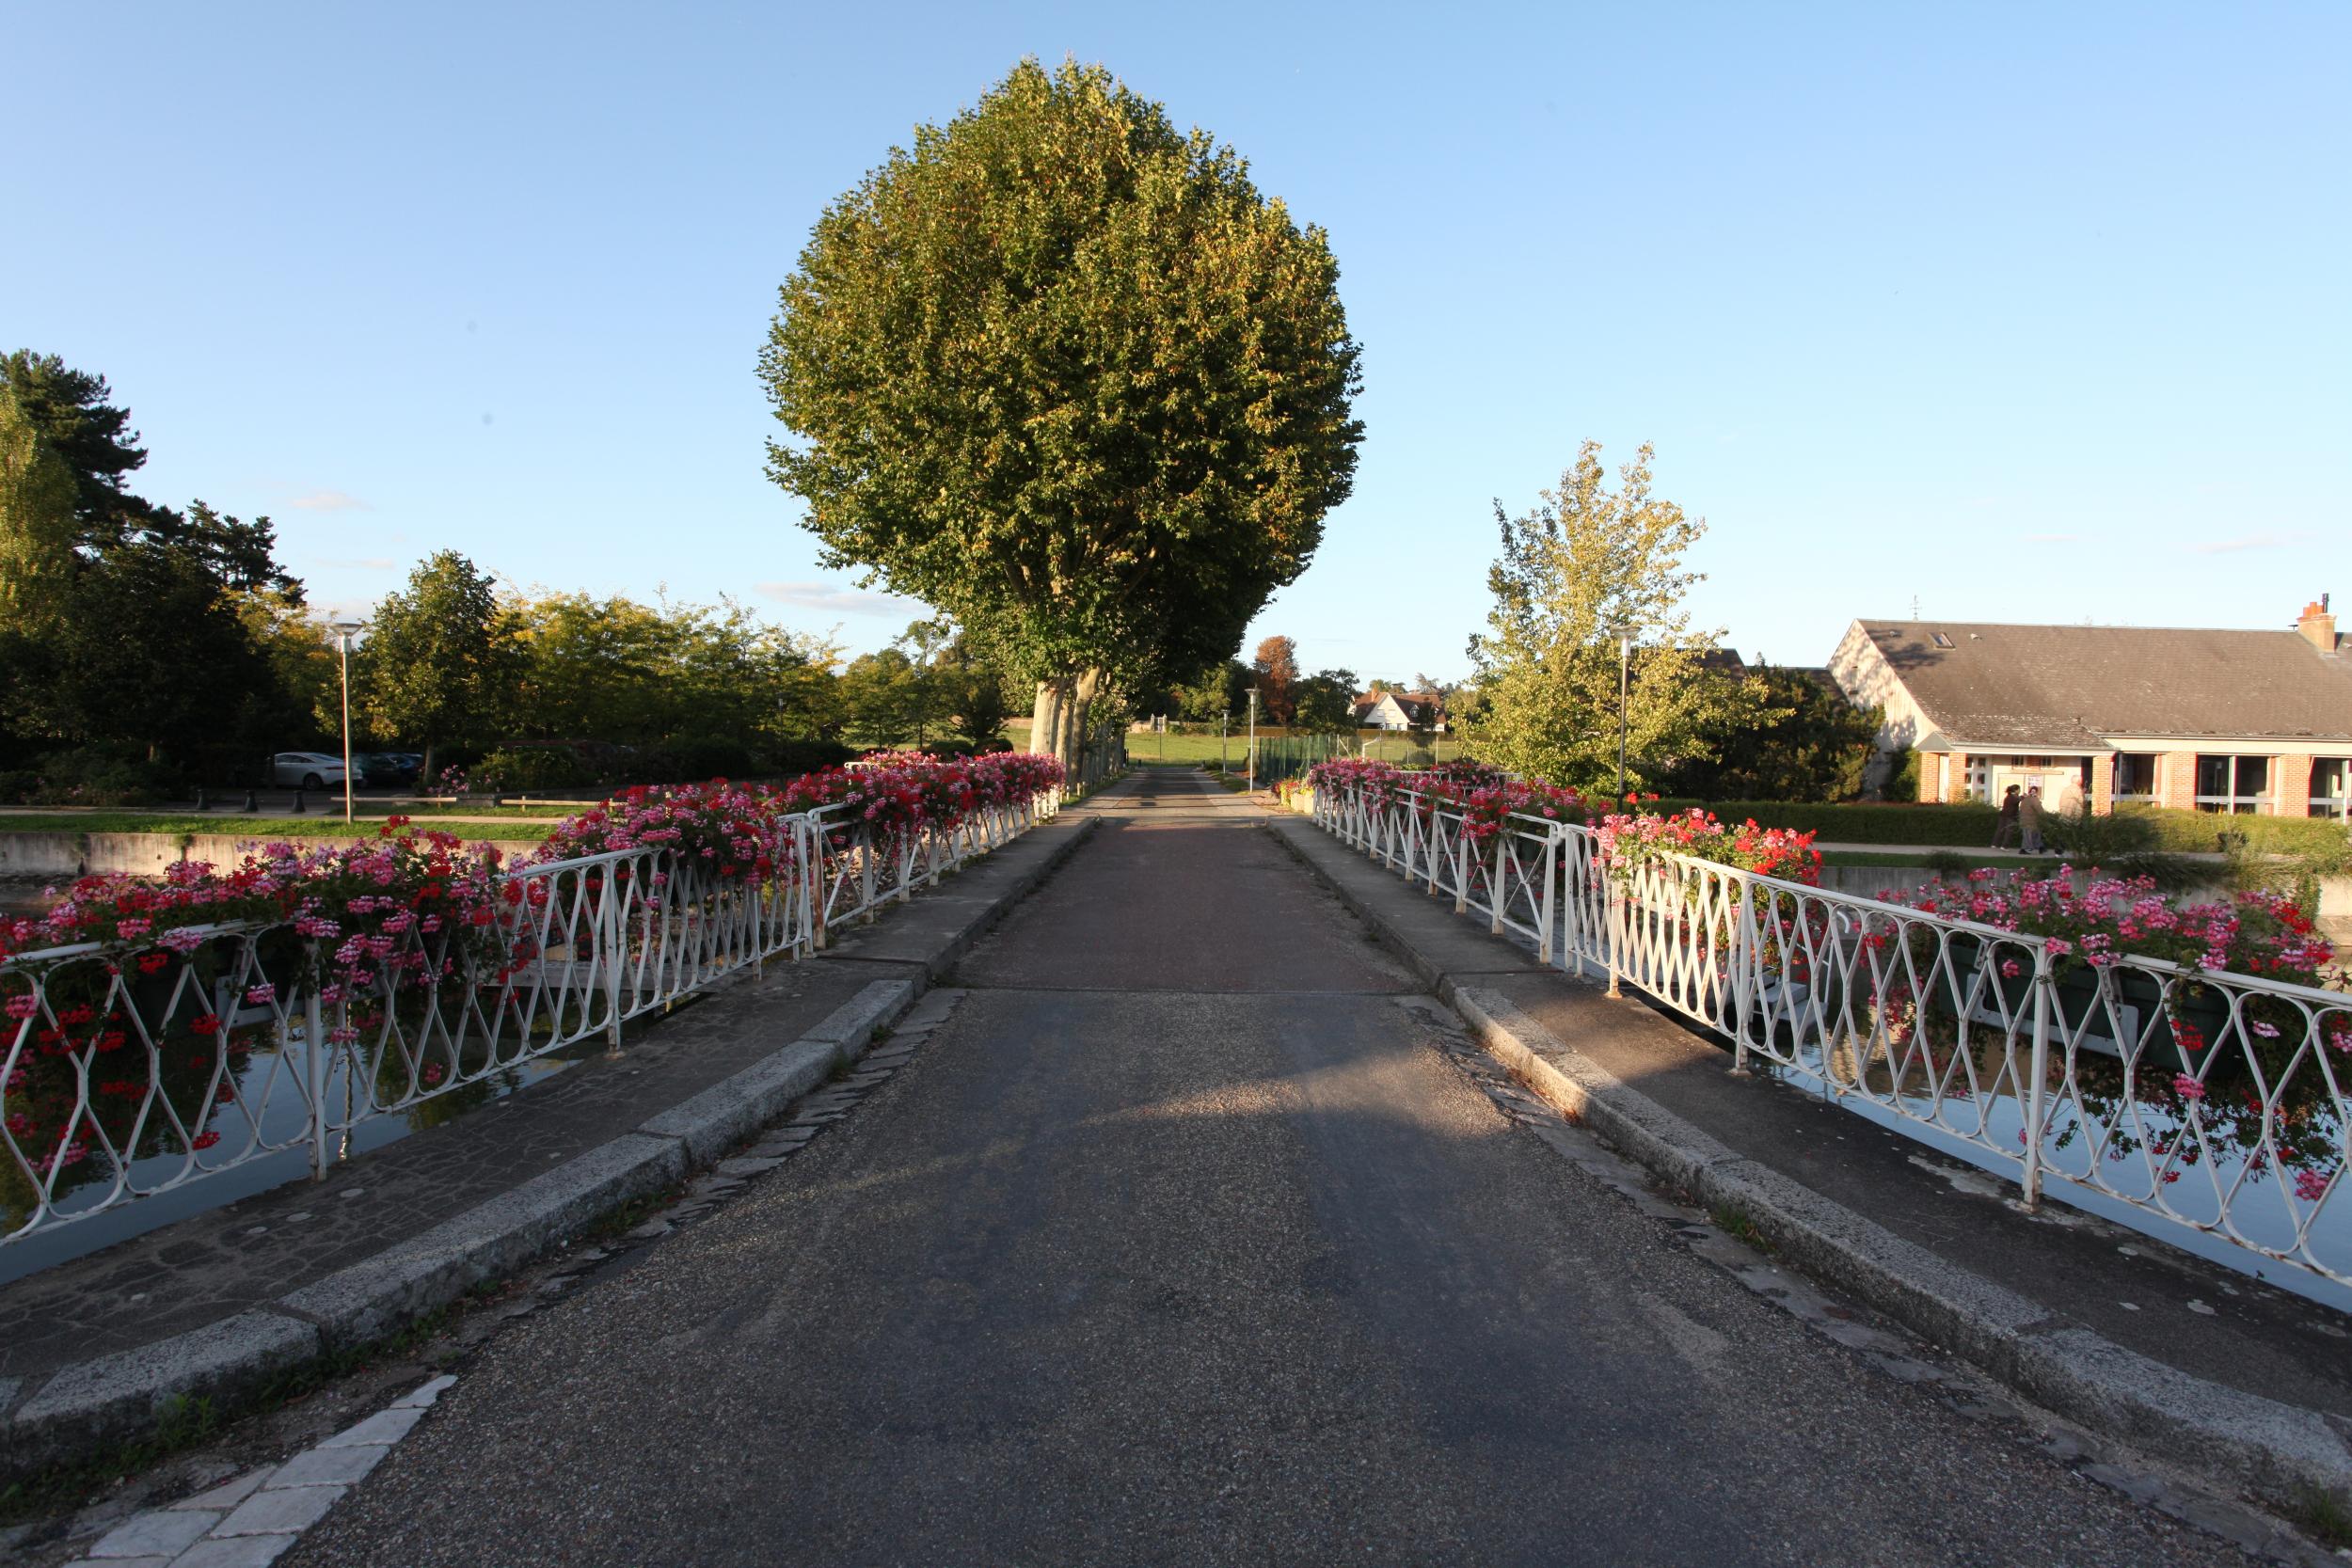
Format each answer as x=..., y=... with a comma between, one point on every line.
x=122, y=1077
x=2192, y=1102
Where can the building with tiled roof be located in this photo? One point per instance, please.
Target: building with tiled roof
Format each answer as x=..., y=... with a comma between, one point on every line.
x=2211, y=720
x=1400, y=710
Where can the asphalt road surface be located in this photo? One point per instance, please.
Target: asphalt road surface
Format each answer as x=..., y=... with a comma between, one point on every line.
x=1179, y=1242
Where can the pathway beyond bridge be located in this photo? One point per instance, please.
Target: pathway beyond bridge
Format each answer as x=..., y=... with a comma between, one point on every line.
x=1190, y=1237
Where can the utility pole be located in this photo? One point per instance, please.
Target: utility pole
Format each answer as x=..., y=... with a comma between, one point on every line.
x=1624, y=671
x=1223, y=720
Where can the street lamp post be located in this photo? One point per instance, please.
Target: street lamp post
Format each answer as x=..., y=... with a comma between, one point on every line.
x=343, y=631
x=1253, y=741
x=1625, y=668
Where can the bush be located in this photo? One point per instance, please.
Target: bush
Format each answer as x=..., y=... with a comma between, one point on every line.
x=1902, y=778
x=522, y=769
x=91, y=776
x=789, y=759
x=2318, y=839
x=2123, y=844
x=1967, y=826
x=691, y=759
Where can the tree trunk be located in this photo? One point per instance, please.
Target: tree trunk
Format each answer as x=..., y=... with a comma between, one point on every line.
x=424, y=771
x=1065, y=715
x=1077, y=728
x=1045, y=719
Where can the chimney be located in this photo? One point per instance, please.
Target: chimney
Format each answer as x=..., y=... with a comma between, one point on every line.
x=2318, y=625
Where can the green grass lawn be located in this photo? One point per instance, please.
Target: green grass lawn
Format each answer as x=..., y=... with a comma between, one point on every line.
x=522, y=829
x=1204, y=748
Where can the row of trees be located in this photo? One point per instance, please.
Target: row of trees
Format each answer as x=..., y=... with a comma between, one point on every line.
x=1064, y=372
x=450, y=661
x=1322, y=703
x=130, y=632
x=142, y=646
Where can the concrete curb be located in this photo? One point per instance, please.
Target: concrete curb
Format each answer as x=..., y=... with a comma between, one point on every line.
x=731, y=1110
x=950, y=948
x=109, y=1397
x=115, y=1398
x=2273, y=1448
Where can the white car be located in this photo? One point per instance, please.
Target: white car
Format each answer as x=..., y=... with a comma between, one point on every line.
x=306, y=769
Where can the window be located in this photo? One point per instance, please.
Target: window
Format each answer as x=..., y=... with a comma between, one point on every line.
x=1942, y=640
x=2136, y=776
x=2327, y=786
x=2240, y=786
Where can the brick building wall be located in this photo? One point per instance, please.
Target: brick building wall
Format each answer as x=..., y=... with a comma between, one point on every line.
x=2291, y=786
x=2176, y=781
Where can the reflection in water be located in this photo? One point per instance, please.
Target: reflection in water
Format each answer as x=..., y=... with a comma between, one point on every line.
x=2222, y=1108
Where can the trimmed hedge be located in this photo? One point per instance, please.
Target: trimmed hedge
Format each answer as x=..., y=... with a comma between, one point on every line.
x=522, y=769
x=1970, y=826
x=1966, y=827
x=2319, y=838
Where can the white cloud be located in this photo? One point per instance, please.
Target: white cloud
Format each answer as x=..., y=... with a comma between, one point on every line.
x=329, y=501
x=2252, y=542
x=367, y=564
x=834, y=599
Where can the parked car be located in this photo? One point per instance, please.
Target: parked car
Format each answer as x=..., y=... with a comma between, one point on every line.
x=306, y=769
x=386, y=767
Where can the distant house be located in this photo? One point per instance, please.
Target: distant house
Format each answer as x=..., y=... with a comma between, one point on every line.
x=1400, y=710
x=2210, y=720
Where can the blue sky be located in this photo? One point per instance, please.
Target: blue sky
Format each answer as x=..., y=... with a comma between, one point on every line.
x=2030, y=313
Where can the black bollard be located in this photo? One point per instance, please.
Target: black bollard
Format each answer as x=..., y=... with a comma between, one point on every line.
x=250, y=804
x=202, y=802
x=297, y=805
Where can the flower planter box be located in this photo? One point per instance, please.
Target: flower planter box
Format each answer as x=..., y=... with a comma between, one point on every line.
x=2105, y=1011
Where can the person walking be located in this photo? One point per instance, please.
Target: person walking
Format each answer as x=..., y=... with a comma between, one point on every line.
x=2029, y=821
x=2005, y=826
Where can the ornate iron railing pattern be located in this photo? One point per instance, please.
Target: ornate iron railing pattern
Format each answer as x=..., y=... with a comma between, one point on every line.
x=115, y=1085
x=2191, y=1100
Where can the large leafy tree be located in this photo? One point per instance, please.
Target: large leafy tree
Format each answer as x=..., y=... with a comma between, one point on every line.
x=1586, y=571
x=1324, y=701
x=150, y=652
x=74, y=413
x=1221, y=690
x=124, y=624
x=37, y=522
x=618, y=670
x=441, y=657
x=1276, y=671
x=884, y=697
x=1063, y=373
x=1816, y=750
